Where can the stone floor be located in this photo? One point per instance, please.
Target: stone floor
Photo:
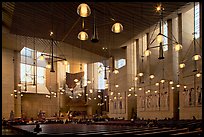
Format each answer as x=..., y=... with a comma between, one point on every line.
x=8, y=131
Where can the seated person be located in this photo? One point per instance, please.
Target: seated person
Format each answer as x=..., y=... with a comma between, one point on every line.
x=37, y=128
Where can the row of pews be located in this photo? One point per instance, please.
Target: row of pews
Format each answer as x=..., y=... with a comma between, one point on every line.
x=112, y=128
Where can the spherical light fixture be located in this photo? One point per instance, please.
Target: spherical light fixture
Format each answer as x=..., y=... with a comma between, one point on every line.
x=171, y=82
x=140, y=74
x=48, y=66
x=177, y=85
x=177, y=47
x=196, y=57
x=89, y=81
x=172, y=87
x=159, y=38
x=151, y=76
x=162, y=81
x=82, y=35
x=76, y=80
x=182, y=65
x=117, y=28
x=83, y=10
x=147, y=52
x=41, y=57
x=136, y=78
x=65, y=62
x=198, y=75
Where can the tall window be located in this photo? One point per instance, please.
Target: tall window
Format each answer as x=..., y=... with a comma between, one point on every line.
x=197, y=21
x=27, y=68
x=85, y=75
x=101, y=74
x=165, y=40
x=120, y=63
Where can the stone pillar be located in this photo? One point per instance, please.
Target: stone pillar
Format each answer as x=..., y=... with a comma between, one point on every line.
x=17, y=100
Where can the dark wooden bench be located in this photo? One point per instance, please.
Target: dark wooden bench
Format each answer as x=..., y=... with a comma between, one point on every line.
x=192, y=133
x=115, y=131
x=165, y=132
x=131, y=132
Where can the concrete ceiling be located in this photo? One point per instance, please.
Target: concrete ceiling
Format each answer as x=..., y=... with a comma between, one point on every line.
x=36, y=19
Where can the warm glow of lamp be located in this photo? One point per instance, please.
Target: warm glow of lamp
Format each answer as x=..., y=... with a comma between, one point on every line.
x=172, y=87
x=132, y=88
x=117, y=28
x=155, y=91
x=185, y=86
x=65, y=62
x=135, y=95
x=51, y=33
x=129, y=89
x=198, y=75
x=157, y=84
x=177, y=47
x=158, y=8
x=48, y=66
x=90, y=90
x=76, y=80
x=89, y=81
x=159, y=38
x=116, y=86
x=196, y=57
x=162, y=81
x=82, y=35
x=147, y=53
x=115, y=71
x=177, y=85
x=83, y=10
x=151, y=76
x=41, y=57
x=111, y=93
x=136, y=78
x=11, y=94
x=140, y=89
x=140, y=74
x=171, y=82
x=182, y=65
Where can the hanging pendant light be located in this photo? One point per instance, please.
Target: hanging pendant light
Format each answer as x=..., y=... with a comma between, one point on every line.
x=159, y=38
x=177, y=47
x=182, y=65
x=196, y=57
x=94, y=38
x=41, y=57
x=83, y=10
x=147, y=52
x=117, y=28
x=82, y=35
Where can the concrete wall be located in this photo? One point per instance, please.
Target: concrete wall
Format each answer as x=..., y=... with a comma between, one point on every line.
x=171, y=100
x=7, y=82
x=33, y=103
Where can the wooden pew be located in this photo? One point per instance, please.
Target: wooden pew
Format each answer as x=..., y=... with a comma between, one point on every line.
x=192, y=133
x=131, y=132
x=165, y=132
x=115, y=131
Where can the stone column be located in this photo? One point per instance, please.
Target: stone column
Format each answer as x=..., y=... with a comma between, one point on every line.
x=17, y=100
